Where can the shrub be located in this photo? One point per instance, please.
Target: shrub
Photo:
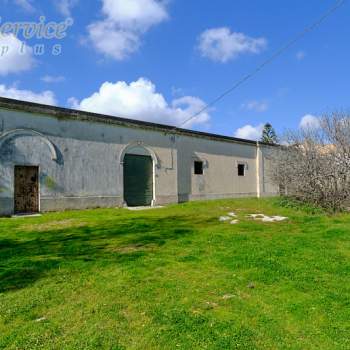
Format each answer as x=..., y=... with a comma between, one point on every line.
x=314, y=165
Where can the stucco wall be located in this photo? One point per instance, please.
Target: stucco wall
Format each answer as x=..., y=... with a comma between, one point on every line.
x=267, y=187
x=81, y=162
x=88, y=172
x=220, y=178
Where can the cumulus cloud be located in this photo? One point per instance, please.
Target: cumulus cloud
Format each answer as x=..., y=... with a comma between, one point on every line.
x=255, y=106
x=65, y=6
x=45, y=97
x=15, y=55
x=222, y=45
x=135, y=14
x=250, y=132
x=140, y=100
x=113, y=42
x=52, y=79
x=309, y=121
x=119, y=34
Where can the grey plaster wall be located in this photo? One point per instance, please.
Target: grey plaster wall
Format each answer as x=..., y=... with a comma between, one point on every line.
x=220, y=178
x=81, y=162
x=88, y=172
x=267, y=187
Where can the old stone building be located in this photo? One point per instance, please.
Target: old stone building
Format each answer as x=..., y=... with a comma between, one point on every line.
x=56, y=159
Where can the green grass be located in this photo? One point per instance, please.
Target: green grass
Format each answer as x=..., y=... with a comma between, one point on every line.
x=176, y=278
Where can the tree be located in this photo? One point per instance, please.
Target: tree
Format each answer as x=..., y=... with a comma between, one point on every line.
x=313, y=166
x=269, y=134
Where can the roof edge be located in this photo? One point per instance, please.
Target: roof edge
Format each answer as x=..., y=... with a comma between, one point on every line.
x=61, y=112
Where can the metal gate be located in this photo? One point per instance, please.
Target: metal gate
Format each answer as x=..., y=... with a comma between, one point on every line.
x=26, y=189
x=138, y=180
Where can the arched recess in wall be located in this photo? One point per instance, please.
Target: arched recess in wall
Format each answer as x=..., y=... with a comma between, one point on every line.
x=139, y=165
x=29, y=132
x=134, y=145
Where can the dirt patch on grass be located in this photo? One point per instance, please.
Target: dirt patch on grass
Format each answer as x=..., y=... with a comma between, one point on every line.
x=54, y=225
x=133, y=248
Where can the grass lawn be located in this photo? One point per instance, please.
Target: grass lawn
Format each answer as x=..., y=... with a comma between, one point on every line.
x=176, y=278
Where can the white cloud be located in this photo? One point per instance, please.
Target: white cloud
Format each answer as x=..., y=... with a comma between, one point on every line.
x=300, y=55
x=73, y=103
x=25, y=5
x=113, y=42
x=119, y=34
x=250, y=132
x=52, y=79
x=65, y=6
x=45, y=97
x=135, y=14
x=309, y=121
x=255, y=106
x=140, y=100
x=222, y=45
x=15, y=55
x=175, y=91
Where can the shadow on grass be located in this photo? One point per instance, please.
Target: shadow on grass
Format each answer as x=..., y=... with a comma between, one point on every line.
x=121, y=241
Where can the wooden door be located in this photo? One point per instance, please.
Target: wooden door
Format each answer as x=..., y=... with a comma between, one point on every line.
x=26, y=189
x=138, y=180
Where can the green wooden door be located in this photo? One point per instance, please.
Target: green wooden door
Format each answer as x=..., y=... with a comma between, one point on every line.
x=138, y=180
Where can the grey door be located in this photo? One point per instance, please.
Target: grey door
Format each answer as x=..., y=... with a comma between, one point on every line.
x=138, y=180
x=26, y=189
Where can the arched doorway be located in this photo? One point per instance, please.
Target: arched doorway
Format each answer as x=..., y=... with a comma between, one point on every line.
x=25, y=154
x=138, y=176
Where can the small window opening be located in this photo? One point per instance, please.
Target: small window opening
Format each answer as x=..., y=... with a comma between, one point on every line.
x=241, y=169
x=198, y=168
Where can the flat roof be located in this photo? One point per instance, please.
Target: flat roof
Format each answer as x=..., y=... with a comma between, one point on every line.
x=64, y=113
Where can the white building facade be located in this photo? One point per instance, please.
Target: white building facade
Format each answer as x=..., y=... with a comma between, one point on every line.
x=54, y=159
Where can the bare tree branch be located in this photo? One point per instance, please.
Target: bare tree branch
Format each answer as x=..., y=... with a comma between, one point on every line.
x=314, y=166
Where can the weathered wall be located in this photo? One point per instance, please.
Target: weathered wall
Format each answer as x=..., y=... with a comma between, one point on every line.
x=88, y=171
x=267, y=188
x=220, y=178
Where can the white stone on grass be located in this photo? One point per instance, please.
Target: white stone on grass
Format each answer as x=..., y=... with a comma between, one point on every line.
x=260, y=217
x=265, y=218
x=279, y=218
x=224, y=218
x=256, y=216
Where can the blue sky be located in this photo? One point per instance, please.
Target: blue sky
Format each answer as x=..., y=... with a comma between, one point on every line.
x=163, y=60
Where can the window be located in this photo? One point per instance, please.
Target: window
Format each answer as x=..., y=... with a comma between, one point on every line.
x=241, y=169
x=198, y=168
